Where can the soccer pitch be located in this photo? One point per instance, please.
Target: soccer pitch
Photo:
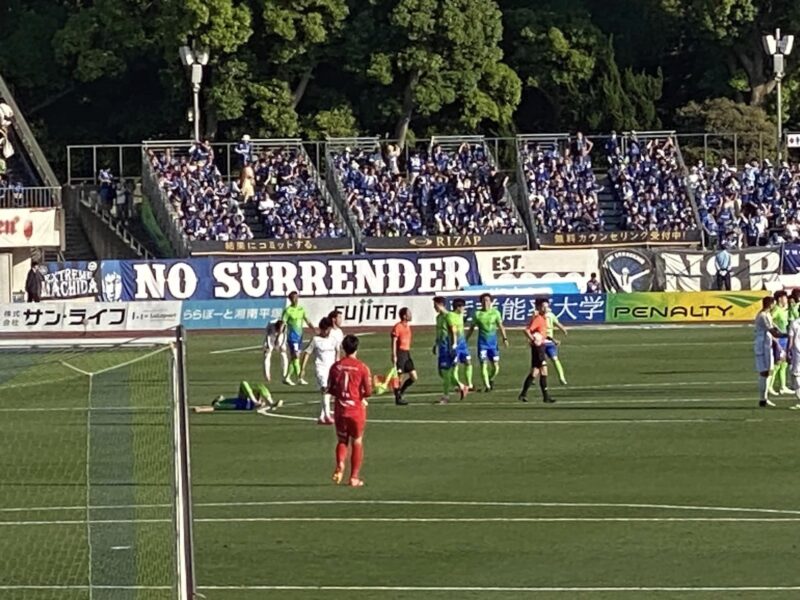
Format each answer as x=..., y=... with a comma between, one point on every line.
x=654, y=476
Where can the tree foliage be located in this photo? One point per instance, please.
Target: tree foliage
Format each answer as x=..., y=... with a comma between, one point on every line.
x=108, y=70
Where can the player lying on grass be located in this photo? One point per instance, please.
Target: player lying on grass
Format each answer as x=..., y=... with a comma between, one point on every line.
x=350, y=384
x=488, y=320
x=249, y=398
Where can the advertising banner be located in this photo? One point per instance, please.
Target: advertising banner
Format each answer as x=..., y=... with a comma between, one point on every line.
x=265, y=247
x=620, y=239
x=28, y=228
x=628, y=270
x=751, y=269
x=683, y=307
x=517, y=309
x=791, y=259
x=70, y=280
x=231, y=314
x=69, y=317
x=443, y=243
x=218, y=279
x=564, y=271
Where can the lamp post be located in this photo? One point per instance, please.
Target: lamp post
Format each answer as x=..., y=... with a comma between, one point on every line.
x=779, y=48
x=195, y=60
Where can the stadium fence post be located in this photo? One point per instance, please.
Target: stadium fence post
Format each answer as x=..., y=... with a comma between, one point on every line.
x=183, y=478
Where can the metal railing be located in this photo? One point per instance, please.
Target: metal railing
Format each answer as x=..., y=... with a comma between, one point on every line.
x=163, y=210
x=30, y=197
x=89, y=199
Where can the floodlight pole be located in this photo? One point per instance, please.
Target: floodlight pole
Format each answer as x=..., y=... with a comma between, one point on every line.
x=779, y=48
x=195, y=60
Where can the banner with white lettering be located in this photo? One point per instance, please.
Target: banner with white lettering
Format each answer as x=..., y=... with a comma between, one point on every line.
x=627, y=270
x=28, y=228
x=220, y=279
x=556, y=271
x=70, y=317
x=70, y=280
x=695, y=271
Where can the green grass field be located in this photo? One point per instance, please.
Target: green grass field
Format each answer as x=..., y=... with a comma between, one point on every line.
x=654, y=476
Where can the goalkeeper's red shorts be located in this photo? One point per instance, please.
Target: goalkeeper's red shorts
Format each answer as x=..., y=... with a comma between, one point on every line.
x=350, y=426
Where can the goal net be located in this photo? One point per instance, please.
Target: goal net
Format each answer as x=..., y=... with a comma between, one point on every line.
x=94, y=480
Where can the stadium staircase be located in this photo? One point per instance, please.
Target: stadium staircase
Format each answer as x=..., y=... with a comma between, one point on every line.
x=609, y=204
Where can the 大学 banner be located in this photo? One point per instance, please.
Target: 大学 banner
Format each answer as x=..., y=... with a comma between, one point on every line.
x=682, y=307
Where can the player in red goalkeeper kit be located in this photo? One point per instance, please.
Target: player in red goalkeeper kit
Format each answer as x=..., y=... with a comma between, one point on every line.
x=350, y=384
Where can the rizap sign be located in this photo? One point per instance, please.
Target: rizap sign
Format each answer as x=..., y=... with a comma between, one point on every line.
x=209, y=279
x=682, y=307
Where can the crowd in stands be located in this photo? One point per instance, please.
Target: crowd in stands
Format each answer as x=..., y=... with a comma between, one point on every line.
x=562, y=188
x=441, y=192
x=756, y=206
x=278, y=182
x=649, y=182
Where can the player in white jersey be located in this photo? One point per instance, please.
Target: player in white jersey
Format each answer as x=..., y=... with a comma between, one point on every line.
x=325, y=349
x=275, y=339
x=765, y=334
x=794, y=359
x=337, y=319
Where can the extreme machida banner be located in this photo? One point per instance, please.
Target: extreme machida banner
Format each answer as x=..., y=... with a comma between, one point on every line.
x=683, y=307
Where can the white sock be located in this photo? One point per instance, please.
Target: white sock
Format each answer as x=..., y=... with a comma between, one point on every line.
x=284, y=363
x=762, y=388
x=267, y=364
x=326, y=405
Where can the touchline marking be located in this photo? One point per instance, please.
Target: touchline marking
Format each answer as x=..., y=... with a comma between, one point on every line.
x=76, y=369
x=525, y=421
x=35, y=409
x=261, y=346
x=84, y=587
x=473, y=503
x=498, y=520
x=82, y=522
x=401, y=588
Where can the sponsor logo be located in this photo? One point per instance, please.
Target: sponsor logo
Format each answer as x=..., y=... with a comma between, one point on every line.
x=71, y=282
x=710, y=312
x=446, y=241
x=369, y=310
x=628, y=271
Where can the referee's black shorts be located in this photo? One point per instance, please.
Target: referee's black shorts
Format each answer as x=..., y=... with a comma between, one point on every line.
x=405, y=364
x=538, y=357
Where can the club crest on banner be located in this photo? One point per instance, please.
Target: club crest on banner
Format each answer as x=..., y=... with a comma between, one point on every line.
x=627, y=271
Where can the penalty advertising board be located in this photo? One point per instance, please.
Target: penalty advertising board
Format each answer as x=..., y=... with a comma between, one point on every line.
x=683, y=307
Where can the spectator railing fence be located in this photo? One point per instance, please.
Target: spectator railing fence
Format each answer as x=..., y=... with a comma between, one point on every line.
x=557, y=140
x=165, y=214
x=333, y=145
x=30, y=197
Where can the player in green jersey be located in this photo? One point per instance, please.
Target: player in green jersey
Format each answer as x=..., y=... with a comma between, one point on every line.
x=445, y=348
x=794, y=305
x=780, y=316
x=293, y=320
x=488, y=321
x=551, y=345
x=462, y=349
x=249, y=397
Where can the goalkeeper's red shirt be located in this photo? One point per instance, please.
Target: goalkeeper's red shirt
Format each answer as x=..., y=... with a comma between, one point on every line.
x=350, y=383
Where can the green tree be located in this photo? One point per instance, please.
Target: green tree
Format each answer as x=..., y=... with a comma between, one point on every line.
x=735, y=27
x=424, y=58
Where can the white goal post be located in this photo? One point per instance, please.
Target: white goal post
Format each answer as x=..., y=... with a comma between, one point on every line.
x=124, y=366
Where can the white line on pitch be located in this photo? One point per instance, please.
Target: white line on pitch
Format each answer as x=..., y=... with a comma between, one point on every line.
x=462, y=503
x=261, y=346
x=399, y=588
x=497, y=520
x=76, y=369
x=526, y=421
x=82, y=522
